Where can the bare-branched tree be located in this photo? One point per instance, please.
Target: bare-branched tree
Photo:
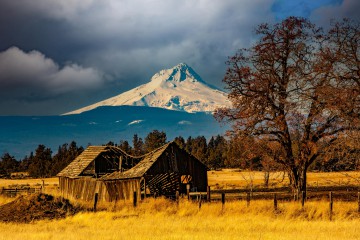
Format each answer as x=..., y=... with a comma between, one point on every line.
x=298, y=88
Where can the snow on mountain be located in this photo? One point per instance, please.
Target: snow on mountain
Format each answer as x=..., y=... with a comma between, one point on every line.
x=179, y=88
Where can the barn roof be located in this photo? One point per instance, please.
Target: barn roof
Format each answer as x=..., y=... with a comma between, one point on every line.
x=76, y=167
x=141, y=168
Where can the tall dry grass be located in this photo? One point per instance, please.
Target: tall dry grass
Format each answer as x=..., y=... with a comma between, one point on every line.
x=163, y=219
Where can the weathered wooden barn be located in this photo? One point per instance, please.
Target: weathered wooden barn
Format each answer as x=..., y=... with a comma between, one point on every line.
x=115, y=175
x=81, y=179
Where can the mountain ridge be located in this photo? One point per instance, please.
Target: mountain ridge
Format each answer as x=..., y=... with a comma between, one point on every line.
x=22, y=134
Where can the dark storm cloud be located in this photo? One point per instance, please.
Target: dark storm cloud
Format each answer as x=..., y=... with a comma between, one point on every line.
x=348, y=9
x=34, y=77
x=130, y=40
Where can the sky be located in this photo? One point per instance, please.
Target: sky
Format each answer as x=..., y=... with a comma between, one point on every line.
x=58, y=56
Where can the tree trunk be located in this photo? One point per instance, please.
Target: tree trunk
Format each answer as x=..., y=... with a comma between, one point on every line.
x=266, y=178
x=298, y=179
x=303, y=180
x=294, y=181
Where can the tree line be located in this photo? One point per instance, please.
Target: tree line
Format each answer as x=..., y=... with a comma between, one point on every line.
x=217, y=152
x=42, y=163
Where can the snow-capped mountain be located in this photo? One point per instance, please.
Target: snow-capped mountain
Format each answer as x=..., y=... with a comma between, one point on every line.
x=178, y=88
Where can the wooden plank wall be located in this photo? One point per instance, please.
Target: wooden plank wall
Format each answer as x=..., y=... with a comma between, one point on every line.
x=84, y=188
x=123, y=189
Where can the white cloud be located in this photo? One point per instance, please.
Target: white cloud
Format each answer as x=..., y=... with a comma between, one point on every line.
x=135, y=122
x=24, y=73
x=184, y=122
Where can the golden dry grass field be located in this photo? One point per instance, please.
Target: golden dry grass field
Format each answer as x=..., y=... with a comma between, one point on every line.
x=231, y=178
x=47, y=181
x=163, y=219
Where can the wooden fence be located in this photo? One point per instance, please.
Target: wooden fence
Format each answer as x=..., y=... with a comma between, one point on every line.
x=344, y=193
x=13, y=191
x=210, y=196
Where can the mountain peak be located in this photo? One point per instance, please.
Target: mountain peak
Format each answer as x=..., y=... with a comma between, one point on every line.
x=179, y=73
x=178, y=88
x=182, y=66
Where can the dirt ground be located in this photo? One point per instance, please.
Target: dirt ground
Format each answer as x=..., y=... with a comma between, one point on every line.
x=25, y=209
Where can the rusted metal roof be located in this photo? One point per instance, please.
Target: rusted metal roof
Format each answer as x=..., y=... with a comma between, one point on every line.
x=141, y=168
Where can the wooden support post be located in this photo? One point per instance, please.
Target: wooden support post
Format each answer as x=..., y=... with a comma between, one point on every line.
x=331, y=206
x=177, y=197
x=248, y=199
x=303, y=197
x=144, y=188
x=95, y=201
x=116, y=199
x=135, y=199
x=208, y=195
x=358, y=202
x=275, y=202
x=120, y=163
x=223, y=199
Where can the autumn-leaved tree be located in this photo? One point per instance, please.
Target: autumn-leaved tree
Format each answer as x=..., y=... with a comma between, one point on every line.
x=298, y=88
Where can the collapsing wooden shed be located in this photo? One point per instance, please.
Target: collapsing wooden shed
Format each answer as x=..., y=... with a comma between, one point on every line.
x=161, y=172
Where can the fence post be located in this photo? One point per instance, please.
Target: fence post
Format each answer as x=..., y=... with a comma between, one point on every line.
x=303, y=197
x=331, y=206
x=248, y=199
x=275, y=202
x=135, y=199
x=188, y=191
x=200, y=201
x=223, y=199
x=358, y=202
x=208, y=196
x=95, y=201
x=177, y=197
